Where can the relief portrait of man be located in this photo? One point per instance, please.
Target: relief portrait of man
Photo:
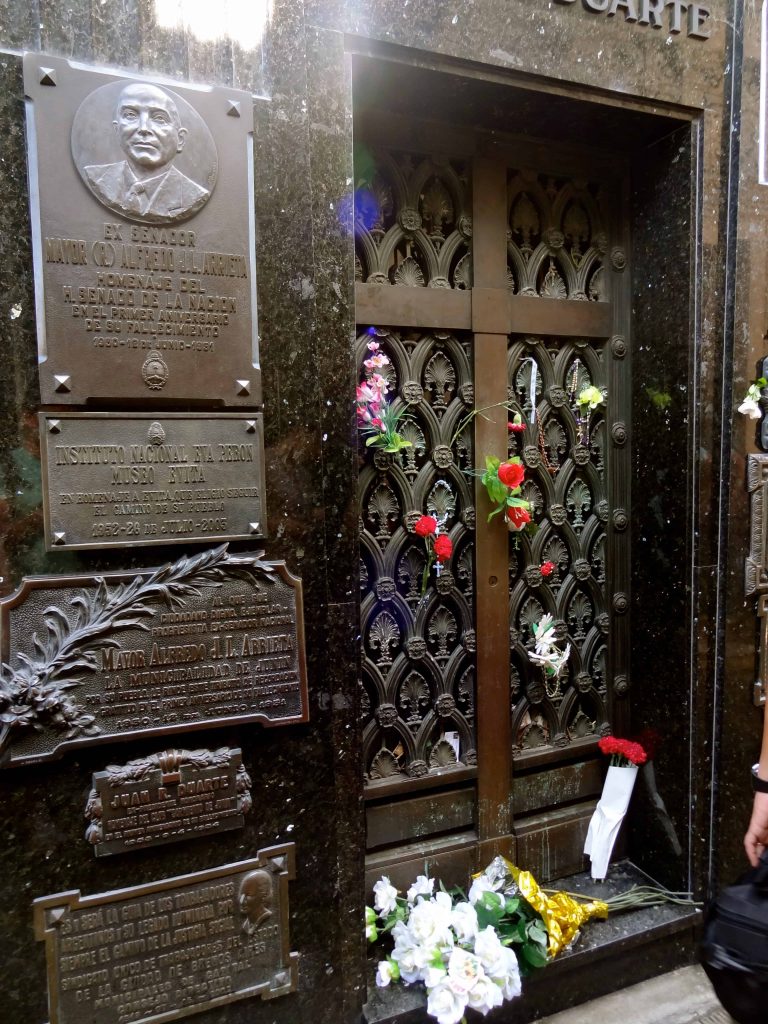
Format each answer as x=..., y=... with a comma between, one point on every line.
x=255, y=900
x=146, y=185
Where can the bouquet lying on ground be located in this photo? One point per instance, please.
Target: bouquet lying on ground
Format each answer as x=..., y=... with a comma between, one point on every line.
x=470, y=952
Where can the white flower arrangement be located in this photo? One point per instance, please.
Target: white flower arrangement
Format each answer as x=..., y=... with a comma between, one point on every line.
x=546, y=653
x=461, y=947
x=439, y=942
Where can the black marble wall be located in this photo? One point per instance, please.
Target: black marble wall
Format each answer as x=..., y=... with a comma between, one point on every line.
x=306, y=779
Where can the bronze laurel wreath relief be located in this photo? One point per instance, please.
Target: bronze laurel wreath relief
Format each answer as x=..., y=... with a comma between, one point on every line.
x=36, y=693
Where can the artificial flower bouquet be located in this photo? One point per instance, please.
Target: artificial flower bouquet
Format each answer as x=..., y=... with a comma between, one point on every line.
x=471, y=951
x=377, y=418
x=503, y=481
x=626, y=757
x=438, y=544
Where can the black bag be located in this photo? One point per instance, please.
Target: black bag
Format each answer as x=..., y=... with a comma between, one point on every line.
x=734, y=948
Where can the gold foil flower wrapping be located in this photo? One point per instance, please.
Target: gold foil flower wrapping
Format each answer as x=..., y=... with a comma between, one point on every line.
x=562, y=914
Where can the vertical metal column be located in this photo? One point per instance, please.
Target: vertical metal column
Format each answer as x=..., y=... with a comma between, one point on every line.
x=489, y=322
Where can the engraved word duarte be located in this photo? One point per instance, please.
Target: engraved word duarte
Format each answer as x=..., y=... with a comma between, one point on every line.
x=681, y=16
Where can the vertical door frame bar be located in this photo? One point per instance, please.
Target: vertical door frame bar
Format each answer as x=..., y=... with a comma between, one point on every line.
x=494, y=737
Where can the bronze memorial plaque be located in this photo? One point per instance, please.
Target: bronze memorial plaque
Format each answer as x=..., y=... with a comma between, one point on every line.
x=214, y=639
x=143, y=236
x=162, y=951
x=166, y=797
x=115, y=480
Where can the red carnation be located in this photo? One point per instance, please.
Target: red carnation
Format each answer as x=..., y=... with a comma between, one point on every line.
x=517, y=428
x=518, y=517
x=511, y=474
x=443, y=547
x=626, y=749
x=425, y=526
x=547, y=568
x=608, y=745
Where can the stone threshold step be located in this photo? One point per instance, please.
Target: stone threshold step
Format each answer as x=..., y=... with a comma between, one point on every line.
x=627, y=948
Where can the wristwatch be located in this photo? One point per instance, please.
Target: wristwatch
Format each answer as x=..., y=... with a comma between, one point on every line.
x=758, y=785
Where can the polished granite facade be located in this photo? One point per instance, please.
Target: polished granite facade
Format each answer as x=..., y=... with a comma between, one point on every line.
x=699, y=305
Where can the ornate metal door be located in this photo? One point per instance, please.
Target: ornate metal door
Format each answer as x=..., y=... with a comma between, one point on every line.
x=492, y=280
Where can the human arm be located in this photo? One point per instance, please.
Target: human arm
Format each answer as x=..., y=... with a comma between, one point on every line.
x=756, y=839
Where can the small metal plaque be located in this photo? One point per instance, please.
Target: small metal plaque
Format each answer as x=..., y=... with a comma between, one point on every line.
x=143, y=236
x=167, y=797
x=160, y=952
x=216, y=639
x=113, y=480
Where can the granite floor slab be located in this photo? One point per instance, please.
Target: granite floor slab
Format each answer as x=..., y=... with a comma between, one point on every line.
x=680, y=997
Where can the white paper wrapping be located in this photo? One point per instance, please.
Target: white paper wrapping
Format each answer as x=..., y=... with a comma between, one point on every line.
x=609, y=814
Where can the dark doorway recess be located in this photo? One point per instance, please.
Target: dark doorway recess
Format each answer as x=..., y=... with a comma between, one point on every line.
x=515, y=243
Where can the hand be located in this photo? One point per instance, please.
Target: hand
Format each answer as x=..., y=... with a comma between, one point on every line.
x=756, y=839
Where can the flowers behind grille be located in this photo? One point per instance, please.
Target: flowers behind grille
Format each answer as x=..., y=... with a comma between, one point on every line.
x=751, y=405
x=503, y=481
x=439, y=546
x=546, y=653
x=375, y=415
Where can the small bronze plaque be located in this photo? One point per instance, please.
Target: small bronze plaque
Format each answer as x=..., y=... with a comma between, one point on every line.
x=177, y=794
x=143, y=236
x=216, y=639
x=162, y=951
x=113, y=480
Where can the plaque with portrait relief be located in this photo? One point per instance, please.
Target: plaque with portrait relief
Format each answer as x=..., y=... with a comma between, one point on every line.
x=143, y=237
x=171, y=948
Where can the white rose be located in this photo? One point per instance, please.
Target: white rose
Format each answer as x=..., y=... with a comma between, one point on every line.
x=489, y=949
x=464, y=921
x=480, y=885
x=423, y=886
x=386, y=896
x=408, y=954
x=445, y=1004
x=464, y=969
x=499, y=962
x=432, y=975
x=749, y=407
x=484, y=996
x=385, y=974
x=430, y=921
x=511, y=986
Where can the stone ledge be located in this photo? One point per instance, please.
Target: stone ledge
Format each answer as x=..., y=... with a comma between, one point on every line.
x=637, y=945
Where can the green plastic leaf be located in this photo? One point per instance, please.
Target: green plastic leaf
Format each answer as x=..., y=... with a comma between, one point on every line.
x=533, y=955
